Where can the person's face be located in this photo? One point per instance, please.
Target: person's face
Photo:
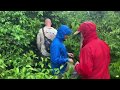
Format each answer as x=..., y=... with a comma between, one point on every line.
x=81, y=36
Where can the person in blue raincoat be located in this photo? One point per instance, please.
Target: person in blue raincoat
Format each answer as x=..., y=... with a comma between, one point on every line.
x=58, y=52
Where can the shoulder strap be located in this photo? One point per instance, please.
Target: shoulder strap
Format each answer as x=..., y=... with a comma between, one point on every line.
x=44, y=34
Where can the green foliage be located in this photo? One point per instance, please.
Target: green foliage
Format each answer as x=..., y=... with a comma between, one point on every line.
x=17, y=59
x=68, y=74
x=19, y=56
x=115, y=70
x=25, y=68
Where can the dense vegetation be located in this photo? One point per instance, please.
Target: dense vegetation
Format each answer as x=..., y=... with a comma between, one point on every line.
x=19, y=56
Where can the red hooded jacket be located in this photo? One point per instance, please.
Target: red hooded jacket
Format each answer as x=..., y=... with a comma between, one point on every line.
x=94, y=55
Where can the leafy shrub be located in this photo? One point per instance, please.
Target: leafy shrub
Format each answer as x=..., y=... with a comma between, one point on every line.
x=19, y=56
x=25, y=68
x=115, y=70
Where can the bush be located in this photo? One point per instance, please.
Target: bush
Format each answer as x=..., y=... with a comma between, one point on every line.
x=25, y=68
x=115, y=70
x=19, y=56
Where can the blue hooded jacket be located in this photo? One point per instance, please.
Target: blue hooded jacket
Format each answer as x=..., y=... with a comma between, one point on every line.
x=58, y=52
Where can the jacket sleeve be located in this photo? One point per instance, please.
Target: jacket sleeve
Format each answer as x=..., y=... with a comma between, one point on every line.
x=85, y=67
x=55, y=55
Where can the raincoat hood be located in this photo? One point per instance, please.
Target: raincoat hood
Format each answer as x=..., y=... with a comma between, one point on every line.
x=88, y=30
x=62, y=31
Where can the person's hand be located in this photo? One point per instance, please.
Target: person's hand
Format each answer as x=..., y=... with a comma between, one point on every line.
x=70, y=54
x=70, y=60
x=76, y=63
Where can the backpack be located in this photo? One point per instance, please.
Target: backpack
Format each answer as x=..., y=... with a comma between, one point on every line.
x=47, y=42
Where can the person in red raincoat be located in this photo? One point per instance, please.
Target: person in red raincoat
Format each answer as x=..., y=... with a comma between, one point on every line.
x=94, y=58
